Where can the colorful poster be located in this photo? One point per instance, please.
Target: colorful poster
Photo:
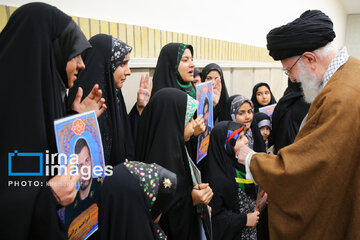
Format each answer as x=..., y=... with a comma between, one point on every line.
x=268, y=110
x=78, y=138
x=204, y=94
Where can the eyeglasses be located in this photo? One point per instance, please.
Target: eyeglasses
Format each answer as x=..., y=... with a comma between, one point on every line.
x=287, y=72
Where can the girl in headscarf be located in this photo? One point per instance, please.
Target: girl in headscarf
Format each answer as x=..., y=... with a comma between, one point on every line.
x=213, y=72
x=107, y=66
x=165, y=125
x=132, y=209
x=264, y=124
x=242, y=111
x=233, y=214
x=39, y=58
x=262, y=96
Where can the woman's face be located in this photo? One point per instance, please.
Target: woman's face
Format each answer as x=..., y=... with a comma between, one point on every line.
x=263, y=95
x=73, y=66
x=121, y=72
x=245, y=114
x=189, y=130
x=215, y=77
x=197, y=80
x=186, y=66
x=241, y=141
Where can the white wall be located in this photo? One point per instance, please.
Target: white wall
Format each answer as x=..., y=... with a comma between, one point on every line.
x=353, y=35
x=240, y=21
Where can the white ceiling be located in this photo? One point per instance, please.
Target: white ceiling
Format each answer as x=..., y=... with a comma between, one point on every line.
x=351, y=6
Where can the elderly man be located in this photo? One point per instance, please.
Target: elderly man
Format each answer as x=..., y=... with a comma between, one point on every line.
x=314, y=183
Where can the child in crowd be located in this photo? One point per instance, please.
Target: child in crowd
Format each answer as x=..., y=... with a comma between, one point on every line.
x=233, y=215
x=264, y=124
x=242, y=111
x=262, y=96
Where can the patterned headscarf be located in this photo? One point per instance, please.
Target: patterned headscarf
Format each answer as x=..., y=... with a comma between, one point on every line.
x=118, y=52
x=159, y=185
x=235, y=105
x=191, y=107
x=149, y=178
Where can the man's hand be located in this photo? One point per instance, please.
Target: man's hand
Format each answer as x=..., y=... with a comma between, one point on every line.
x=64, y=186
x=144, y=93
x=241, y=151
x=93, y=101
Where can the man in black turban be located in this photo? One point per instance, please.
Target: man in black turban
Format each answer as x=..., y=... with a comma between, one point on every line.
x=312, y=30
x=306, y=39
x=316, y=179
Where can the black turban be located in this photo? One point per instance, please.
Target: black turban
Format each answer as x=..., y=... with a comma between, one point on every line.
x=312, y=30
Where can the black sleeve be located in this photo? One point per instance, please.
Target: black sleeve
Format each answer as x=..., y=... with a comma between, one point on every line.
x=191, y=146
x=134, y=118
x=30, y=213
x=45, y=223
x=181, y=220
x=226, y=223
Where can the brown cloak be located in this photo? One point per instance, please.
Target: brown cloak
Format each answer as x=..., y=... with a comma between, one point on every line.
x=314, y=183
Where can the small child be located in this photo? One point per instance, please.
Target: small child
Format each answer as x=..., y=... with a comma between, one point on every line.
x=233, y=206
x=262, y=96
x=264, y=124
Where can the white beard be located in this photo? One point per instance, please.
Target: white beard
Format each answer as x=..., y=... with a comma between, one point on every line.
x=309, y=83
